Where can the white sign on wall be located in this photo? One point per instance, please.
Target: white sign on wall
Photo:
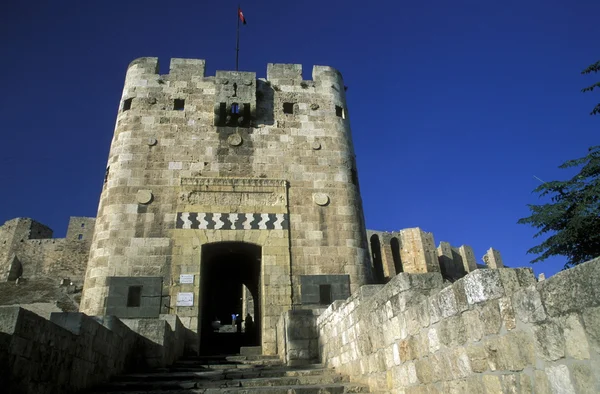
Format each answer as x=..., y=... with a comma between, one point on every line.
x=185, y=299
x=186, y=278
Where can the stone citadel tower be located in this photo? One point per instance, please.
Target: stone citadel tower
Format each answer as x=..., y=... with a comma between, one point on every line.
x=217, y=182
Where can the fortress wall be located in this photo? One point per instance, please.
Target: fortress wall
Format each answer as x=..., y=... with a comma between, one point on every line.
x=495, y=330
x=413, y=250
x=72, y=352
x=12, y=233
x=29, y=246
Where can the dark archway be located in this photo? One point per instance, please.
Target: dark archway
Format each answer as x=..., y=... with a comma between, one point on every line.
x=395, y=245
x=377, y=262
x=226, y=267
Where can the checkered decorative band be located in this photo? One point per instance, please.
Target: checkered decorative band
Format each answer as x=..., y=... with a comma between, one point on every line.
x=232, y=221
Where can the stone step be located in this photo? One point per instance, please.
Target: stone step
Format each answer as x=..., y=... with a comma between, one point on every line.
x=175, y=383
x=310, y=370
x=304, y=389
x=234, y=375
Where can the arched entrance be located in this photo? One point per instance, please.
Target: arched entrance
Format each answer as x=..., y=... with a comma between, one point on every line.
x=226, y=268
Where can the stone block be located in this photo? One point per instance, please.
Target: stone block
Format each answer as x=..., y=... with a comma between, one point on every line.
x=576, y=343
x=452, y=331
x=490, y=317
x=541, y=383
x=513, y=352
x=591, y=321
x=483, y=285
x=477, y=356
x=508, y=313
x=71, y=321
x=572, y=290
x=560, y=379
x=9, y=319
x=492, y=383
x=528, y=305
x=549, y=340
x=473, y=324
x=583, y=378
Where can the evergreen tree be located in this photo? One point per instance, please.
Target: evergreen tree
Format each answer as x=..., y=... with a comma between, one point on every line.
x=593, y=68
x=573, y=216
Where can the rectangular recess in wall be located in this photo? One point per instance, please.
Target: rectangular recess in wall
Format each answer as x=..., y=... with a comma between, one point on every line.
x=134, y=296
x=288, y=108
x=179, y=104
x=324, y=294
x=324, y=289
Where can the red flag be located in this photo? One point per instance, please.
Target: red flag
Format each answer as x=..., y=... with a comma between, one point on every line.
x=241, y=15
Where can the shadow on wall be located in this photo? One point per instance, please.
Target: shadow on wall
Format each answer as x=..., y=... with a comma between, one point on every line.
x=73, y=351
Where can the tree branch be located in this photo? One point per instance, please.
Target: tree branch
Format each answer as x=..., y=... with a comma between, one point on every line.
x=592, y=68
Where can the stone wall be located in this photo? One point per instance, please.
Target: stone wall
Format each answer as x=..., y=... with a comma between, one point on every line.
x=413, y=250
x=73, y=351
x=27, y=250
x=297, y=337
x=495, y=330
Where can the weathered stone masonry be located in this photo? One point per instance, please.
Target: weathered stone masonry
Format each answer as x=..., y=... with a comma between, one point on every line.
x=229, y=147
x=495, y=330
x=27, y=250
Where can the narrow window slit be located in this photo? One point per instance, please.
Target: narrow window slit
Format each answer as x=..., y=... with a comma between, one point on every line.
x=127, y=104
x=288, y=108
x=179, y=104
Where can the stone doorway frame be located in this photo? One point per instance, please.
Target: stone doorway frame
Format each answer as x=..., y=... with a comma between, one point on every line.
x=201, y=198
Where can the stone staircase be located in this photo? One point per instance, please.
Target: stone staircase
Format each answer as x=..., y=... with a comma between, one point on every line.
x=233, y=374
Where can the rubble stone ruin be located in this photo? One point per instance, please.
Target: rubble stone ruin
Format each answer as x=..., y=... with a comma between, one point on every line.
x=232, y=194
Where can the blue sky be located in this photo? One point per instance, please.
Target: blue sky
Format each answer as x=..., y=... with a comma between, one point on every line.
x=454, y=105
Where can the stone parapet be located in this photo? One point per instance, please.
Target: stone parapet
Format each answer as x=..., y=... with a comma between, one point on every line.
x=492, y=331
x=72, y=351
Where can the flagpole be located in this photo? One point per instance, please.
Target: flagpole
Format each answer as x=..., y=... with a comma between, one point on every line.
x=237, y=45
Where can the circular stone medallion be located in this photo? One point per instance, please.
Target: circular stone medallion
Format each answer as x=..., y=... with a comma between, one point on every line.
x=234, y=140
x=316, y=145
x=152, y=141
x=321, y=199
x=144, y=196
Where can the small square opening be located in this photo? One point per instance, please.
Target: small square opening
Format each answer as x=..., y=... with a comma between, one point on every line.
x=127, y=104
x=324, y=294
x=235, y=108
x=134, y=296
x=80, y=237
x=288, y=108
x=339, y=112
x=178, y=104
x=82, y=225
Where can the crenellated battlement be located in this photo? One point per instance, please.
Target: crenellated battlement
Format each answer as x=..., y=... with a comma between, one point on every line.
x=281, y=72
x=413, y=250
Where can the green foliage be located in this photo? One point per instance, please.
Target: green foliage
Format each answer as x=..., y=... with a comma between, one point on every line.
x=573, y=216
x=594, y=68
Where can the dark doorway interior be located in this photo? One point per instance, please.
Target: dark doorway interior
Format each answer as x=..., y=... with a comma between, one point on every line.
x=377, y=262
x=225, y=268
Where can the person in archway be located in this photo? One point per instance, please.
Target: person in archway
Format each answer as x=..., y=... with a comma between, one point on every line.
x=238, y=323
x=249, y=324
